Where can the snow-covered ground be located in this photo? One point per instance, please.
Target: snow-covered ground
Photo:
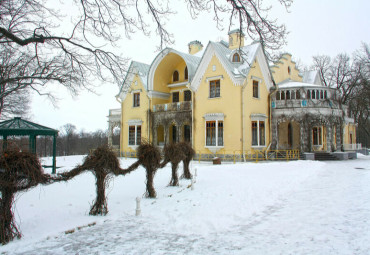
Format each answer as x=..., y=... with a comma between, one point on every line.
x=297, y=207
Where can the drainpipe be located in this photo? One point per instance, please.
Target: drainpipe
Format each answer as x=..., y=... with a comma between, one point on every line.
x=242, y=95
x=192, y=115
x=149, y=111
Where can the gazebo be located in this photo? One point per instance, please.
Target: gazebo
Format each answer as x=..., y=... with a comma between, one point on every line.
x=20, y=127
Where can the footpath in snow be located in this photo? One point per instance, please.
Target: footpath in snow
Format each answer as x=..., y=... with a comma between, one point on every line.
x=297, y=207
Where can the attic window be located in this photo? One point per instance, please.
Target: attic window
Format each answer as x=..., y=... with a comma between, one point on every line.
x=236, y=57
x=289, y=70
x=186, y=73
x=175, y=76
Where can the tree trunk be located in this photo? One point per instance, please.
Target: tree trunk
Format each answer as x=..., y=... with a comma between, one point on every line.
x=8, y=228
x=175, y=178
x=100, y=205
x=187, y=174
x=150, y=191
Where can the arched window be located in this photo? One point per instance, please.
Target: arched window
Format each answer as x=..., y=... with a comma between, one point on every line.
x=325, y=94
x=282, y=95
x=236, y=57
x=313, y=94
x=288, y=94
x=175, y=76
x=289, y=70
x=278, y=95
x=308, y=94
x=186, y=73
x=298, y=94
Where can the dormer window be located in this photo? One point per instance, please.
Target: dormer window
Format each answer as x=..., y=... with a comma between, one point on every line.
x=186, y=73
x=236, y=57
x=175, y=76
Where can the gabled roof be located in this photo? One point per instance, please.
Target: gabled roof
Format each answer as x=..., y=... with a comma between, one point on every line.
x=236, y=71
x=20, y=127
x=191, y=61
x=138, y=68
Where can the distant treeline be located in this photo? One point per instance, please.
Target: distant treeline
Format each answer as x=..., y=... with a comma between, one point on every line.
x=68, y=142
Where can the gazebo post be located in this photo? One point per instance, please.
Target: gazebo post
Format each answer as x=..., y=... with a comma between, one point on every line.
x=5, y=142
x=32, y=143
x=53, y=171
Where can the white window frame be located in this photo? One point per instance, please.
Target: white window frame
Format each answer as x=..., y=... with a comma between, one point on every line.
x=258, y=118
x=136, y=123
x=214, y=117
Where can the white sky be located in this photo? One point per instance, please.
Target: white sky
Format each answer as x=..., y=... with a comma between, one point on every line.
x=316, y=27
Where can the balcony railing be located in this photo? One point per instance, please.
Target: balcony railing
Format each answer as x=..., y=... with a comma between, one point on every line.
x=114, y=112
x=352, y=147
x=180, y=106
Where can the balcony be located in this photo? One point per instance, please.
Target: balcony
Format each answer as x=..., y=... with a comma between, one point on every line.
x=173, y=107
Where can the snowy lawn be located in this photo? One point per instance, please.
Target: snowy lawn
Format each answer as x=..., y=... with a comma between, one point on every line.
x=297, y=207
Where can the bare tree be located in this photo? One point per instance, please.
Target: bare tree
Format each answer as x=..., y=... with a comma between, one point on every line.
x=351, y=76
x=40, y=53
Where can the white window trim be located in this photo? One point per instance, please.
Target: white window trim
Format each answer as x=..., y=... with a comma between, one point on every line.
x=258, y=117
x=134, y=122
x=213, y=117
x=212, y=78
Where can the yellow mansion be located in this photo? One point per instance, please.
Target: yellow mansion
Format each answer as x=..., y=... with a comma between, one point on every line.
x=226, y=99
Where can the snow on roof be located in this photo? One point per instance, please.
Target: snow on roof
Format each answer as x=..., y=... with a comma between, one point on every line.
x=247, y=54
x=310, y=77
x=295, y=84
x=142, y=70
x=192, y=62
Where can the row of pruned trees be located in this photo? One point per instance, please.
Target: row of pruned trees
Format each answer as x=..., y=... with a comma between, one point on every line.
x=20, y=171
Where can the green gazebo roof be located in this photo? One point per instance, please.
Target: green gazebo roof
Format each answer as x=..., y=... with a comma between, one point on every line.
x=20, y=127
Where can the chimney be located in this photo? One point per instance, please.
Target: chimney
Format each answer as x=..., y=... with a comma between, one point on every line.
x=236, y=39
x=194, y=47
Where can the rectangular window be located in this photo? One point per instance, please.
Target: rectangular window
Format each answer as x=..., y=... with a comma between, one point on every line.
x=211, y=133
x=317, y=136
x=254, y=133
x=175, y=97
x=220, y=136
x=187, y=95
x=131, y=135
x=138, y=135
x=214, y=89
x=215, y=137
x=262, y=133
x=136, y=99
x=134, y=135
x=258, y=133
x=255, y=89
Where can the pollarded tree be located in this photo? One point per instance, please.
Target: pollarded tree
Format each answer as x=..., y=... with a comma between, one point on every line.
x=73, y=56
x=19, y=171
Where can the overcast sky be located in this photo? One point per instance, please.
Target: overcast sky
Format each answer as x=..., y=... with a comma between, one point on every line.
x=316, y=27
